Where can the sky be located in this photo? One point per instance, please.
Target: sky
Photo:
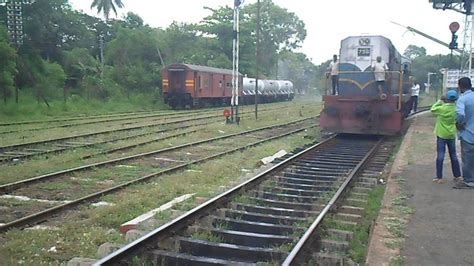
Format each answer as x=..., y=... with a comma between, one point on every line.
x=327, y=22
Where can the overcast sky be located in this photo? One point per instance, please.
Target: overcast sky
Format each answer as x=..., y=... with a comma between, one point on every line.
x=327, y=22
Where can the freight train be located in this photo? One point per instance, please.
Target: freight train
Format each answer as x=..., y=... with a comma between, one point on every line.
x=197, y=86
x=359, y=107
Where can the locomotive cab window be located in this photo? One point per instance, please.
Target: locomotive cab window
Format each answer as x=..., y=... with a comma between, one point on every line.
x=363, y=52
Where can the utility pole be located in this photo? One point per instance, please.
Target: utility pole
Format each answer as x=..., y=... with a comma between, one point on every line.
x=15, y=26
x=235, y=65
x=101, y=47
x=257, y=56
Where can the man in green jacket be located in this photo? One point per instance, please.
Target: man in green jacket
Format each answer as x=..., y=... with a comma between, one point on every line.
x=445, y=130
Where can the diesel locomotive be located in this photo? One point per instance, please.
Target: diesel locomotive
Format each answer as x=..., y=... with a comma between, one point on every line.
x=196, y=86
x=359, y=107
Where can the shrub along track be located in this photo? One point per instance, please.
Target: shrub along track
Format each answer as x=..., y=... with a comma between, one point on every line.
x=273, y=218
x=56, y=145
x=72, y=187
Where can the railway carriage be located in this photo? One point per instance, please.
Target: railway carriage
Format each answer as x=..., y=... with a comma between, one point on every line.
x=192, y=85
x=359, y=108
x=196, y=86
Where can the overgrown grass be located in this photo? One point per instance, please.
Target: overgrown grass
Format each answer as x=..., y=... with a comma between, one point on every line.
x=206, y=236
x=396, y=223
x=397, y=261
x=360, y=240
x=29, y=109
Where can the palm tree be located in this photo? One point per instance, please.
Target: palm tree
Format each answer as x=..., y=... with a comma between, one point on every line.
x=104, y=6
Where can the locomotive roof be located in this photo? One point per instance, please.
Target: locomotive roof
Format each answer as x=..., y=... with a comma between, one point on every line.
x=366, y=36
x=203, y=69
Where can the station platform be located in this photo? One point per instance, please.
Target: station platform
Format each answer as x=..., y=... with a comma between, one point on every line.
x=422, y=222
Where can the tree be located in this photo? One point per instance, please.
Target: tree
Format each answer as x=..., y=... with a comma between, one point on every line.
x=8, y=65
x=280, y=30
x=414, y=51
x=297, y=68
x=79, y=65
x=104, y=6
x=134, y=56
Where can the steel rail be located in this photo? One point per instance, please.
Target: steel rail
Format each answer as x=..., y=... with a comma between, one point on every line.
x=41, y=216
x=84, y=117
x=157, y=116
x=23, y=145
x=81, y=118
x=15, y=185
x=103, y=132
x=142, y=143
x=305, y=240
x=184, y=220
x=61, y=149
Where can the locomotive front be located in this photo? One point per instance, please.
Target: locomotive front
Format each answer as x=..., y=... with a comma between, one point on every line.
x=360, y=107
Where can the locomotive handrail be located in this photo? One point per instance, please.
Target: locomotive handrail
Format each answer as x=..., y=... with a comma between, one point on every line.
x=400, y=90
x=400, y=83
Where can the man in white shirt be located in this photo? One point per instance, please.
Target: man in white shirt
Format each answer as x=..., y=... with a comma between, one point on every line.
x=379, y=67
x=334, y=68
x=415, y=92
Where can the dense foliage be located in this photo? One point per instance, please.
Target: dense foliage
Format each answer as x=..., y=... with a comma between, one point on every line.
x=423, y=64
x=61, y=56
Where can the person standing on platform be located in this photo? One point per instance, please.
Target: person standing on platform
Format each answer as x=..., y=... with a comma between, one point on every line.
x=334, y=68
x=445, y=130
x=379, y=67
x=415, y=92
x=465, y=126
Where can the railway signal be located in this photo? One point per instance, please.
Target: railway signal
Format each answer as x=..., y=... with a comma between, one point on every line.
x=453, y=27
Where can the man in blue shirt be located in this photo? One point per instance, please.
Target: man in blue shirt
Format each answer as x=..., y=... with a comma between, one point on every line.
x=465, y=125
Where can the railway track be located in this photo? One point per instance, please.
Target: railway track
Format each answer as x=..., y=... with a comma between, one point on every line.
x=172, y=159
x=57, y=145
x=66, y=119
x=26, y=150
x=271, y=219
x=133, y=118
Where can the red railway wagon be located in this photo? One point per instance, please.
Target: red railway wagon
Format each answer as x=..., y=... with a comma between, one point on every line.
x=192, y=85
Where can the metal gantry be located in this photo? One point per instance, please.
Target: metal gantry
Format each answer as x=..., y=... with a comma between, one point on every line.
x=464, y=7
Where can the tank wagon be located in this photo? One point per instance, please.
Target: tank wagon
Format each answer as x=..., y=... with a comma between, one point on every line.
x=359, y=108
x=197, y=86
x=268, y=90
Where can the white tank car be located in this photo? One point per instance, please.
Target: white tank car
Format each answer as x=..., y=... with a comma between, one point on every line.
x=267, y=87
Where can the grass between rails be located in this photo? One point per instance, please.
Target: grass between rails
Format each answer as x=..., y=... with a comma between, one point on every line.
x=55, y=162
x=360, y=240
x=81, y=232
